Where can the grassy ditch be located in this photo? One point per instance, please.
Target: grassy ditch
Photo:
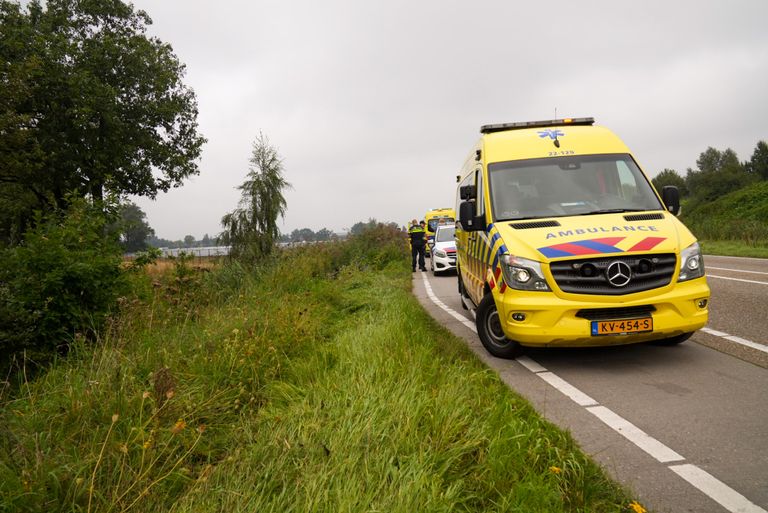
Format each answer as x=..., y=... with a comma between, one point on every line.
x=315, y=384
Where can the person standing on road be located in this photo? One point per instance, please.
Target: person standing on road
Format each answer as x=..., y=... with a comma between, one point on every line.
x=418, y=236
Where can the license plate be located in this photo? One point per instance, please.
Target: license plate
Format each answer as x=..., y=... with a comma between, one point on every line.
x=622, y=327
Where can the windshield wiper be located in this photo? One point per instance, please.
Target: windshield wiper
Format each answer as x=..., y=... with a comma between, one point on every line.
x=612, y=211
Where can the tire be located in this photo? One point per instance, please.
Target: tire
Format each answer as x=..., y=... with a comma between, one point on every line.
x=673, y=341
x=461, y=288
x=490, y=332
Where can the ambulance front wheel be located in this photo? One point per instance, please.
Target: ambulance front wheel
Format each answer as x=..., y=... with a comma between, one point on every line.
x=489, y=330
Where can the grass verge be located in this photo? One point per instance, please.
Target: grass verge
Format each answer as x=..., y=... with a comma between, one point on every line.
x=316, y=384
x=734, y=248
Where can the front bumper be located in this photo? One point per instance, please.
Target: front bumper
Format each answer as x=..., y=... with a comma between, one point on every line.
x=447, y=263
x=551, y=321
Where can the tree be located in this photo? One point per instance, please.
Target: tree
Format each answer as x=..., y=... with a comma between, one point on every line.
x=670, y=177
x=251, y=229
x=134, y=228
x=324, y=234
x=758, y=164
x=93, y=104
x=302, y=235
x=360, y=227
x=718, y=174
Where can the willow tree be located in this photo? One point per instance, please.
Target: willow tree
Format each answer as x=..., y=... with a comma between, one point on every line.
x=251, y=229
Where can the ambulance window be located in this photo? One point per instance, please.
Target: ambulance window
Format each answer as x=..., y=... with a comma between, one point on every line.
x=627, y=180
x=468, y=180
x=480, y=202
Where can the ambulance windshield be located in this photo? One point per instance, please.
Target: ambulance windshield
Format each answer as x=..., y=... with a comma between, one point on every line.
x=571, y=185
x=433, y=223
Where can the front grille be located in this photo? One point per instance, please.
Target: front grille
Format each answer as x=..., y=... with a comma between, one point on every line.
x=609, y=314
x=643, y=217
x=535, y=224
x=588, y=275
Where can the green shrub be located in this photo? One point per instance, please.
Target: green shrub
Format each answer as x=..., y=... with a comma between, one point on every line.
x=62, y=280
x=379, y=246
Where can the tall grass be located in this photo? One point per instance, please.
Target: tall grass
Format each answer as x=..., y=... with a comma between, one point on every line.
x=315, y=383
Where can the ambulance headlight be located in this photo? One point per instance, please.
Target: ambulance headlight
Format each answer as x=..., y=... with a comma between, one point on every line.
x=523, y=274
x=440, y=253
x=691, y=263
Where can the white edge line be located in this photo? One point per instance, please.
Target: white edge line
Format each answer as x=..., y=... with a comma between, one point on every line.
x=718, y=491
x=714, y=332
x=735, y=270
x=531, y=365
x=748, y=343
x=738, y=340
x=567, y=389
x=637, y=436
x=450, y=311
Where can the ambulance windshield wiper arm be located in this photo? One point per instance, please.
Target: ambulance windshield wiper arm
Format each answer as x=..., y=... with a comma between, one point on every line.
x=612, y=211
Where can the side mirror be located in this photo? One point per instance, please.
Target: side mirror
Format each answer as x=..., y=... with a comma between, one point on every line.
x=671, y=197
x=467, y=218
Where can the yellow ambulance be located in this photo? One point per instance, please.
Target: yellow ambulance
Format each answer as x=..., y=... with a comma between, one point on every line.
x=562, y=241
x=435, y=217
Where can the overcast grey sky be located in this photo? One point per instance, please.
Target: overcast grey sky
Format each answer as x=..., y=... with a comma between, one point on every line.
x=374, y=105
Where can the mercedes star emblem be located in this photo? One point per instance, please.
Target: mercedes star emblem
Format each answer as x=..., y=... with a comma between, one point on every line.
x=618, y=273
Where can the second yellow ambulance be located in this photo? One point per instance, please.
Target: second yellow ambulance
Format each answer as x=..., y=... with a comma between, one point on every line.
x=435, y=217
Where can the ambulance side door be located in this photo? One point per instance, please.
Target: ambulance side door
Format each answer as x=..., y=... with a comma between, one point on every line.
x=470, y=244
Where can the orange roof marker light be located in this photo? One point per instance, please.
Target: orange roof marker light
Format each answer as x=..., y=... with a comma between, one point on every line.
x=500, y=127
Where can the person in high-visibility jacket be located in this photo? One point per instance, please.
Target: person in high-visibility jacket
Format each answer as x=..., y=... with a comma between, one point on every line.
x=418, y=242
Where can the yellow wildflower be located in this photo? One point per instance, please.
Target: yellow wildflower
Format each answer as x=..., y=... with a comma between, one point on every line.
x=637, y=507
x=178, y=427
x=555, y=470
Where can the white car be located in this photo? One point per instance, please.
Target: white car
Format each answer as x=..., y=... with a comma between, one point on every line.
x=443, y=257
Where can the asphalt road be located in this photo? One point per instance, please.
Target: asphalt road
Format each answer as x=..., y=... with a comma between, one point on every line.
x=684, y=427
